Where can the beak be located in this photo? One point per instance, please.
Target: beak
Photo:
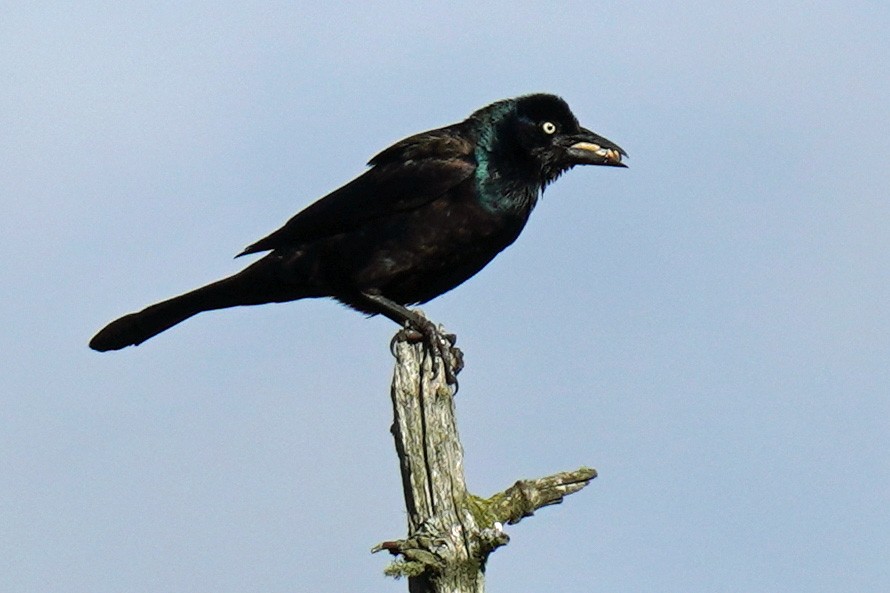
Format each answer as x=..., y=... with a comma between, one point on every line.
x=587, y=148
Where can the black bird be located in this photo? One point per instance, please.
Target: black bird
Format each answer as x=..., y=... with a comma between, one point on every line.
x=432, y=210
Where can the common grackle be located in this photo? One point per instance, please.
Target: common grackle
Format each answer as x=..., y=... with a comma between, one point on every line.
x=432, y=210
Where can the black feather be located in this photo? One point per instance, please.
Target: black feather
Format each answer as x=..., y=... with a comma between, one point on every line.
x=432, y=210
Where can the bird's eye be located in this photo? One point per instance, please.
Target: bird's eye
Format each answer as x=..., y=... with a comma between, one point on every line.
x=549, y=127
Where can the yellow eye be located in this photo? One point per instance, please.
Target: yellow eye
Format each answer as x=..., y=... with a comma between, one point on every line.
x=549, y=127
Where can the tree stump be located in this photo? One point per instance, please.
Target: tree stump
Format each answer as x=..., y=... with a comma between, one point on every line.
x=450, y=531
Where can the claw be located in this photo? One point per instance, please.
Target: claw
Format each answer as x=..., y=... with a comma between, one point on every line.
x=439, y=345
x=442, y=347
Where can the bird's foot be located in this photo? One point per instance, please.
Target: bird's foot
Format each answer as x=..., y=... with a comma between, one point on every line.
x=440, y=345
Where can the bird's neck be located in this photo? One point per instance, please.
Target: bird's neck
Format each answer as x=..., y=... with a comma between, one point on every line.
x=507, y=182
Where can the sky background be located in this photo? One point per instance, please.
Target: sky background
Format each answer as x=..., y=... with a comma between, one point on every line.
x=709, y=328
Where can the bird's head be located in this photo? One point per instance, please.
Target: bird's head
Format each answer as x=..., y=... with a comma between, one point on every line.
x=542, y=132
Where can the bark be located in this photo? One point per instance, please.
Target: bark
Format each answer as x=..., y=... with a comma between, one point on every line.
x=450, y=531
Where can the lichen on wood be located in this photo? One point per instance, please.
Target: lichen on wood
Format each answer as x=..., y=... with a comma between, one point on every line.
x=450, y=531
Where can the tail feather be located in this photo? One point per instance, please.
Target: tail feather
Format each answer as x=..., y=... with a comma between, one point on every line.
x=135, y=328
x=253, y=286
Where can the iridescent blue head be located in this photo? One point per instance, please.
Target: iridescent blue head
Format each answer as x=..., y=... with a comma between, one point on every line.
x=535, y=138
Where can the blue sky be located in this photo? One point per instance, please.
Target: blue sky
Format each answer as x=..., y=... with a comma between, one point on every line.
x=708, y=328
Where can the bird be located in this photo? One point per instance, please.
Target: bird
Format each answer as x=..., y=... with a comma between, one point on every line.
x=429, y=213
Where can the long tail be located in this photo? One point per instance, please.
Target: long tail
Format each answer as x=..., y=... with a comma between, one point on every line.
x=254, y=285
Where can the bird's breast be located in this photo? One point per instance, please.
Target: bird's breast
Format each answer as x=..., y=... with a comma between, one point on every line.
x=421, y=254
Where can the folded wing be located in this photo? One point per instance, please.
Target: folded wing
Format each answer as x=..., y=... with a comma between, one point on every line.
x=404, y=176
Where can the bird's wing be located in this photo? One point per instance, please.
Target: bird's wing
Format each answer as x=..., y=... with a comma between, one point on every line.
x=404, y=176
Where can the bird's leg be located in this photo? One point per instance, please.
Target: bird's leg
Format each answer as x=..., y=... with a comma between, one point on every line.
x=417, y=327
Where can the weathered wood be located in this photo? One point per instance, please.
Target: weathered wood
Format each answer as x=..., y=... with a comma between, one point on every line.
x=450, y=532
